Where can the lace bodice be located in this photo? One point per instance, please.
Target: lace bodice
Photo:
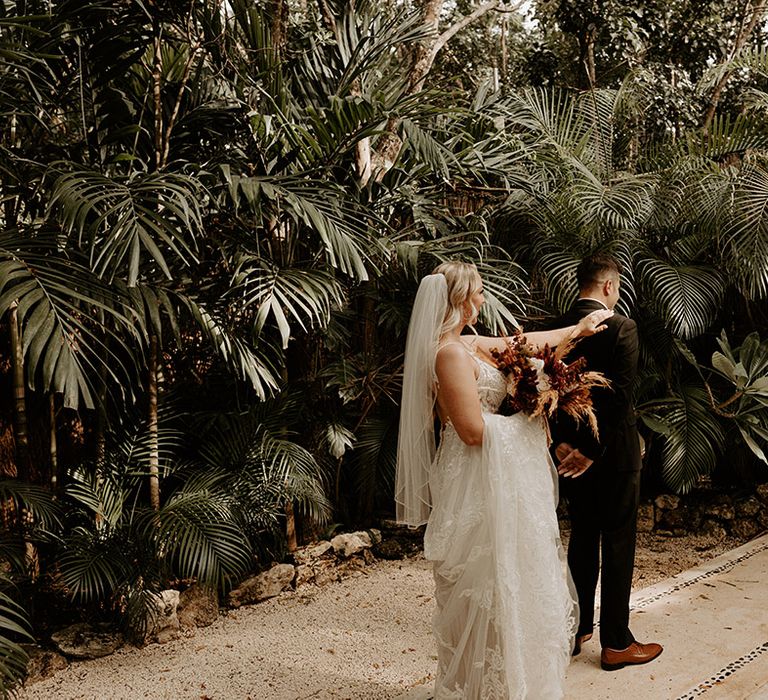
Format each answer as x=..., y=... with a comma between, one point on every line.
x=491, y=386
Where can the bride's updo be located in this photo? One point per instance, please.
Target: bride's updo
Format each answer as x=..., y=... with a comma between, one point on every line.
x=463, y=281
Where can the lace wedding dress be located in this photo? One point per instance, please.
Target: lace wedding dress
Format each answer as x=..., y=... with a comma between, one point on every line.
x=505, y=616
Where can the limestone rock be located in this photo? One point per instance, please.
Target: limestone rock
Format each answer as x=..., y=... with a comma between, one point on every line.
x=721, y=509
x=324, y=571
x=306, y=555
x=744, y=528
x=674, y=520
x=645, y=517
x=396, y=548
x=266, y=585
x=748, y=508
x=85, y=641
x=713, y=529
x=351, y=543
x=351, y=566
x=42, y=664
x=667, y=501
x=198, y=607
x=165, y=624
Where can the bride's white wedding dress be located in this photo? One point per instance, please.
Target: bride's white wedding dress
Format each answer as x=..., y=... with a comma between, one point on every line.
x=505, y=616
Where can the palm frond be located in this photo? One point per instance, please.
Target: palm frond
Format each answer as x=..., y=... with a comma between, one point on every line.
x=199, y=533
x=693, y=437
x=687, y=297
x=94, y=565
x=745, y=238
x=57, y=298
x=302, y=296
x=127, y=222
x=243, y=360
x=13, y=659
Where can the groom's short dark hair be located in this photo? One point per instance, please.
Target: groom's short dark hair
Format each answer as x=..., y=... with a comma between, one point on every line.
x=596, y=268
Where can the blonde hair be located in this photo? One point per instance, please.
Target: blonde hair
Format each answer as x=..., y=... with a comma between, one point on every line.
x=463, y=281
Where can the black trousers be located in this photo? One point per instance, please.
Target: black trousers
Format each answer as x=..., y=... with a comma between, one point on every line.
x=602, y=504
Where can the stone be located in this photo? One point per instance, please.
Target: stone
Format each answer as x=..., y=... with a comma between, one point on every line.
x=713, y=529
x=744, y=528
x=325, y=572
x=396, y=548
x=645, y=517
x=667, y=501
x=85, y=641
x=351, y=566
x=748, y=508
x=673, y=519
x=762, y=492
x=198, y=607
x=351, y=543
x=665, y=533
x=720, y=510
x=306, y=555
x=762, y=519
x=42, y=664
x=304, y=575
x=164, y=619
x=265, y=585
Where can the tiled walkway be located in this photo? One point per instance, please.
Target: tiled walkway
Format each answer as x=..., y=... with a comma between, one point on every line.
x=713, y=623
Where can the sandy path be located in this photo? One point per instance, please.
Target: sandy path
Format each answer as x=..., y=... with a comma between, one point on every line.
x=365, y=638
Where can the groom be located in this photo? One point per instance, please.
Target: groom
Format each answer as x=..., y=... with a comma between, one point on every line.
x=601, y=480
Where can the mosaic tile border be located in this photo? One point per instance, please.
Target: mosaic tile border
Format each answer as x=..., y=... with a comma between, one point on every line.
x=724, y=673
x=645, y=602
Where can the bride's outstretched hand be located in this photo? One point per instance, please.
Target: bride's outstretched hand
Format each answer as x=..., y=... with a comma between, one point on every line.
x=593, y=322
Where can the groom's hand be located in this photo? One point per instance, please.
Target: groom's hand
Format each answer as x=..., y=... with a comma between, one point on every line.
x=572, y=463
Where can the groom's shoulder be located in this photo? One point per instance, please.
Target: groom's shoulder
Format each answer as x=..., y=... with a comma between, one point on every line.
x=620, y=321
x=620, y=329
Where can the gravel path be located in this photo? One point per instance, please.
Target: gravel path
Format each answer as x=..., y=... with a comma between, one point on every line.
x=365, y=638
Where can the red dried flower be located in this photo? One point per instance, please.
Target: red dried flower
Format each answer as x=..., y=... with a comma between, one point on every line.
x=539, y=382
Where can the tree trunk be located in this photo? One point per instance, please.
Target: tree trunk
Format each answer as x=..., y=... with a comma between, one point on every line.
x=747, y=27
x=21, y=433
x=290, y=528
x=278, y=12
x=157, y=81
x=53, y=444
x=504, y=57
x=588, y=55
x=422, y=58
x=154, y=445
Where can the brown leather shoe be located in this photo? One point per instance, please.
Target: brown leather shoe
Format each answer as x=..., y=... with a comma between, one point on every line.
x=580, y=639
x=635, y=653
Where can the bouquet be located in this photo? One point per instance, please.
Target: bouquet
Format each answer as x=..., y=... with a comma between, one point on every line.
x=540, y=382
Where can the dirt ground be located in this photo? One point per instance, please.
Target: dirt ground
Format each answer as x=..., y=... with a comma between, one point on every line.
x=365, y=638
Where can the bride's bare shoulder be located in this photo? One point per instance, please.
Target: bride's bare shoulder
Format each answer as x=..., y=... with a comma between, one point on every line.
x=454, y=350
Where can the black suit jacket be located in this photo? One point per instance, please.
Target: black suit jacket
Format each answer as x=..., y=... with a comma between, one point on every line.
x=614, y=352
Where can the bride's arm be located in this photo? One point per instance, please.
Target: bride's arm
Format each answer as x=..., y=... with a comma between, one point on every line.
x=457, y=396
x=589, y=325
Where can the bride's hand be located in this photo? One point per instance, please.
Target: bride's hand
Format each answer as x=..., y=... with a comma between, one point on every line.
x=593, y=322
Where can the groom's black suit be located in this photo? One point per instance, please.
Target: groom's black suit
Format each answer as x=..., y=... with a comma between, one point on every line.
x=602, y=502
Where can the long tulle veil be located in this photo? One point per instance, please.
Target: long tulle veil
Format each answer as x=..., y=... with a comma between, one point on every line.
x=416, y=444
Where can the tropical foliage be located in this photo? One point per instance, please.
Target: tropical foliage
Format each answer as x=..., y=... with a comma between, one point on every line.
x=214, y=218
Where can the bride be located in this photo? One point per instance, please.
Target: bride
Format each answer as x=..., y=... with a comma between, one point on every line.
x=505, y=618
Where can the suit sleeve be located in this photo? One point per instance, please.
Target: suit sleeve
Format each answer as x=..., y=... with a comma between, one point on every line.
x=612, y=406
